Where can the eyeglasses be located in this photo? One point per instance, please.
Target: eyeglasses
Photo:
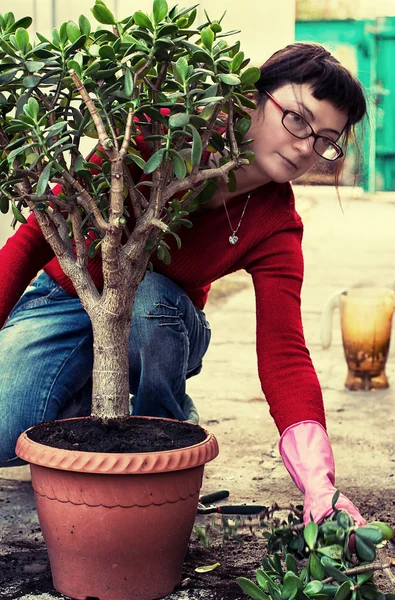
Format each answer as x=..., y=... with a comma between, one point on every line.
x=297, y=126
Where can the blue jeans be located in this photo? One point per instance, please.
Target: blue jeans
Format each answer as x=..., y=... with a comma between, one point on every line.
x=46, y=356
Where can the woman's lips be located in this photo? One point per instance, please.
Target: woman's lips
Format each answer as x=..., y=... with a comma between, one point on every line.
x=292, y=164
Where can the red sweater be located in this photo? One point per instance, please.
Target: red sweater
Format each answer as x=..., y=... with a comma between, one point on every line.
x=269, y=248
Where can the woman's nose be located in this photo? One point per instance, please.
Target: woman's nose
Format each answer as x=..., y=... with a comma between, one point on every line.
x=304, y=146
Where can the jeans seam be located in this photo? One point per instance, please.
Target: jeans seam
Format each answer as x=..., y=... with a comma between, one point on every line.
x=43, y=300
x=58, y=374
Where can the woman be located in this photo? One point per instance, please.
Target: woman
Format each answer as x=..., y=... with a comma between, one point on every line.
x=307, y=104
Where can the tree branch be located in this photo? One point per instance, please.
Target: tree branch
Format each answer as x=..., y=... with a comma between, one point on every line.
x=105, y=140
x=234, y=149
x=188, y=182
x=359, y=570
x=128, y=134
x=134, y=194
x=87, y=203
x=79, y=238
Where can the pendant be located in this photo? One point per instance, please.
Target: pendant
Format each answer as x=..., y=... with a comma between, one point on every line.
x=233, y=239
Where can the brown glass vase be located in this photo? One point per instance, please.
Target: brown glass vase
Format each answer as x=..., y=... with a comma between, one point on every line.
x=116, y=526
x=366, y=322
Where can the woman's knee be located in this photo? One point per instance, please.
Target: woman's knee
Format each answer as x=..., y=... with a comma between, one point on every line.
x=11, y=426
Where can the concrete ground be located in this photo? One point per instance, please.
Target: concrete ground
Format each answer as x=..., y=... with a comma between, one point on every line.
x=343, y=247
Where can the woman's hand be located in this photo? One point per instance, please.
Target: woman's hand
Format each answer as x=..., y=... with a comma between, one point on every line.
x=307, y=455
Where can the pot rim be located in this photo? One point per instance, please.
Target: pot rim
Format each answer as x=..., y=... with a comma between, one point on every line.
x=117, y=463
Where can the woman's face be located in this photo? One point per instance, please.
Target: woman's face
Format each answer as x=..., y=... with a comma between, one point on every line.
x=279, y=156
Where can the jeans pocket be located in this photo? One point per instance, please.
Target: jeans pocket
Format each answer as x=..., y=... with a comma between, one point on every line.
x=40, y=292
x=165, y=315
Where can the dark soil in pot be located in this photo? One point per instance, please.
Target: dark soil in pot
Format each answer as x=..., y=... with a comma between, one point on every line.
x=129, y=435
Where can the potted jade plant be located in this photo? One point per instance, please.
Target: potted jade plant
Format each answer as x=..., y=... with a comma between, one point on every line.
x=186, y=89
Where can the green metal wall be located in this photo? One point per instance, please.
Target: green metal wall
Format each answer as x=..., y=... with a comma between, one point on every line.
x=367, y=47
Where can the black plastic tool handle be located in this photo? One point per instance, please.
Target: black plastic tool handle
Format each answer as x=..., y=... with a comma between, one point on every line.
x=214, y=497
x=243, y=509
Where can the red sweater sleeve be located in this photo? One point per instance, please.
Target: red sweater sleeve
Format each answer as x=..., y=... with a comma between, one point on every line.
x=21, y=258
x=287, y=375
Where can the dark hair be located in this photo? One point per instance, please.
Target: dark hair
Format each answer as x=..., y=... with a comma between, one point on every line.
x=329, y=80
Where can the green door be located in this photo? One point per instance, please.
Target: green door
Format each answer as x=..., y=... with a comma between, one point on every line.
x=367, y=48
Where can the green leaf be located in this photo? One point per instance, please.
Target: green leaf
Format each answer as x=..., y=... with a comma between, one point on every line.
x=364, y=577
x=14, y=153
x=73, y=32
x=142, y=20
x=386, y=531
x=8, y=76
x=85, y=26
x=207, y=568
x=31, y=81
x=188, y=224
x=237, y=61
x=164, y=254
x=335, y=499
x=182, y=68
x=316, y=569
x=34, y=65
x=178, y=240
x=313, y=587
x=56, y=128
x=243, y=125
x=153, y=113
x=129, y=83
x=107, y=51
x=43, y=180
x=335, y=551
x=154, y=162
x=335, y=574
x=179, y=167
x=32, y=108
x=167, y=29
x=250, y=76
x=159, y=11
x=72, y=65
x=244, y=100
x=364, y=549
x=310, y=534
x=70, y=50
x=140, y=162
x=229, y=78
x=212, y=100
x=93, y=248
x=291, y=586
x=197, y=148
x=261, y=578
x=343, y=591
x=103, y=14
x=207, y=37
x=369, y=534
x=178, y=120
x=24, y=22
x=290, y=563
x=4, y=204
x=22, y=39
x=251, y=589
x=17, y=214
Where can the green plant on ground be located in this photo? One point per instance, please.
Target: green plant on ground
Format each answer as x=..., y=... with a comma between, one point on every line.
x=339, y=561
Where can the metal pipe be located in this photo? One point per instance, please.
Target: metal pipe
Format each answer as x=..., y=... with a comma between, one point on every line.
x=53, y=13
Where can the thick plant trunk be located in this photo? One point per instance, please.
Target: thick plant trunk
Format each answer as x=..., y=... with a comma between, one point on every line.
x=110, y=375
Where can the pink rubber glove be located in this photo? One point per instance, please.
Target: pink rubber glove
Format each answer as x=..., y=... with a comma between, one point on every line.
x=307, y=455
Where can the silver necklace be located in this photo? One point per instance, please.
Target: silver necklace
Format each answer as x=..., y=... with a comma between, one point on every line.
x=233, y=239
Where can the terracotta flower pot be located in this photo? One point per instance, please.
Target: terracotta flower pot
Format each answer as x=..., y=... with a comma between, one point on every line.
x=116, y=526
